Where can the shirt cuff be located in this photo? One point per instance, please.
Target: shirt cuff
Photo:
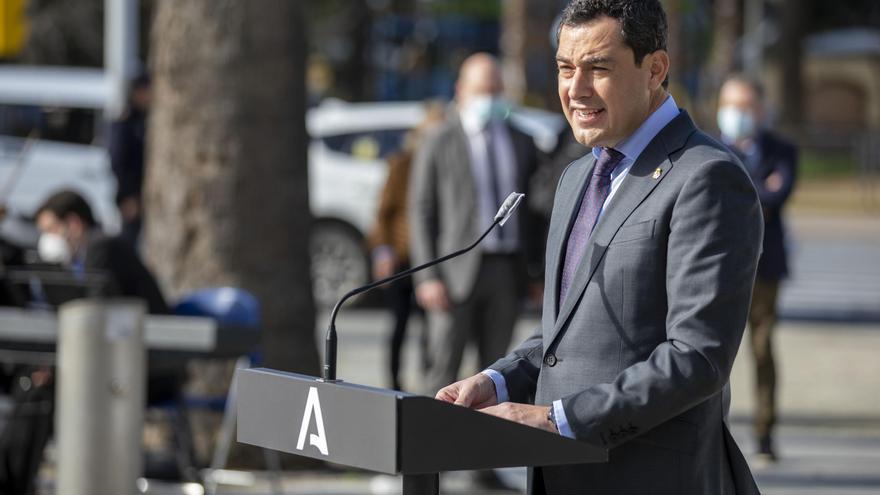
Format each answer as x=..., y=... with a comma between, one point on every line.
x=500, y=385
x=561, y=421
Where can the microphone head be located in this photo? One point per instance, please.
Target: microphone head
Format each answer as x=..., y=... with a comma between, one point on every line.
x=507, y=208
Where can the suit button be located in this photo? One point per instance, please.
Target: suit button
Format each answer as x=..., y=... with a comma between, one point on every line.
x=550, y=360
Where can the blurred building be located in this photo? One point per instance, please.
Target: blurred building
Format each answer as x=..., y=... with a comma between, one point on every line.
x=842, y=75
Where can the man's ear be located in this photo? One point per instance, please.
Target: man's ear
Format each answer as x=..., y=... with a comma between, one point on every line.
x=658, y=64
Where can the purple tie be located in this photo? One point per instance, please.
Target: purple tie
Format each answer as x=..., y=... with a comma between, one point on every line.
x=591, y=205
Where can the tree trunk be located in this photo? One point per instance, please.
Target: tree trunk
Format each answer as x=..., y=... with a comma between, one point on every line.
x=726, y=30
x=514, y=27
x=791, y=90
x=226, y=189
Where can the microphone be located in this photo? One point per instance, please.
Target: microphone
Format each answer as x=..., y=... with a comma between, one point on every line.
x=328, y=372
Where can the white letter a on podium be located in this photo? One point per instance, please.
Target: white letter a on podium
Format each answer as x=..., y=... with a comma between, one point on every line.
x=313, y=407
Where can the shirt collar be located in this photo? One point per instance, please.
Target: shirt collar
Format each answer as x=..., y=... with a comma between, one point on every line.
x=635, y=144
x=473, y=127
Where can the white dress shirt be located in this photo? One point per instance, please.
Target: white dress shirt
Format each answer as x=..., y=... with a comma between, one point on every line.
x=489, y=201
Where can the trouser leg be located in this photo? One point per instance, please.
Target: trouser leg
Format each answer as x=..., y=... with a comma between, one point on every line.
x=447, y=336
x=762, y=320
x=401, y=304
x=499, y=309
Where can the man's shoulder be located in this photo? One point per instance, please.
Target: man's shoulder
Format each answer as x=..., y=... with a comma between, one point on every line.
x=776, y=143
x=442, y=134
x=701, y=149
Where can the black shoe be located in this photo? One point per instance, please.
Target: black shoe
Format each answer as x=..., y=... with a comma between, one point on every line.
x=765, y=454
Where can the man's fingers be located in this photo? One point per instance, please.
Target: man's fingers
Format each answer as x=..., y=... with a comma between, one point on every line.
x=464, y=398
x=446, y=394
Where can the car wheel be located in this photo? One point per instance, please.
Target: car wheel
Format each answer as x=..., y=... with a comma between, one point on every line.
x=339, y=262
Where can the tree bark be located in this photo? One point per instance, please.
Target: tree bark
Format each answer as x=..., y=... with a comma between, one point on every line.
x=514, y=27
x=791, y=90
x=226, y=189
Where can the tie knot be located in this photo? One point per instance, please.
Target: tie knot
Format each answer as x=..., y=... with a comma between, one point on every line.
x=607, y=161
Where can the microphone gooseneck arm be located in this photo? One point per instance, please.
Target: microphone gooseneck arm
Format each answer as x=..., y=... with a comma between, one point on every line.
x=328, y=372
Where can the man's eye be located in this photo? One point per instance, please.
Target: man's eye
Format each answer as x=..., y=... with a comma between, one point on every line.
x=600, y=69
x=565, y=70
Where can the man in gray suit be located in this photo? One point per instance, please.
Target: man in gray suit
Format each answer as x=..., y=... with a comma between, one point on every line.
x=651, y=256
x=460, y=176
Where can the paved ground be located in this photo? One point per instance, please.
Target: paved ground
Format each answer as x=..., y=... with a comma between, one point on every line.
x=835, y=269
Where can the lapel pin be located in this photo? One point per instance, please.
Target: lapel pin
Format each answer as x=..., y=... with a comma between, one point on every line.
x=657, y=173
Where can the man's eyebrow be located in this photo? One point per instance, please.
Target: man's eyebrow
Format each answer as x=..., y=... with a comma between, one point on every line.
x=595, y=60
x=598, y=60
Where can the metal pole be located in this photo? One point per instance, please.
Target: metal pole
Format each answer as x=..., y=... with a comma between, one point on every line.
x=127, y=384
x=120, y=52
x=81, y=400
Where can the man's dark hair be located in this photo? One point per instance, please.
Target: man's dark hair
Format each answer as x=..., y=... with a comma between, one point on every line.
x=748, y=81
x=643, y=22
x=66, y=202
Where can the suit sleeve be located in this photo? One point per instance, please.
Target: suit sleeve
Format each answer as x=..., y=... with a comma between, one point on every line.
x=712, y=252
x=521, y=367
x=786, y=166
x=423, y=208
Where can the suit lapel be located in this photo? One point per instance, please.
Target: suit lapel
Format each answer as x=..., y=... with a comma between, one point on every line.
x=640, y=181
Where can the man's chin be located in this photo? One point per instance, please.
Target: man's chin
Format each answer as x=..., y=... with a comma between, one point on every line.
x=589, y=137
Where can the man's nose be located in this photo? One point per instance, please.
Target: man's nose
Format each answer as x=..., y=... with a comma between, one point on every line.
x=581, y=85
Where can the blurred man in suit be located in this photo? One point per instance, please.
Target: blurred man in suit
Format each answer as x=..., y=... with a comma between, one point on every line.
x=772, y=164
x=651, y=255
x=461, y=175
x=126, y=145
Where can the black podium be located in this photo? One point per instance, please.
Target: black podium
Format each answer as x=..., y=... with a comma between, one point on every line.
x=388, y=431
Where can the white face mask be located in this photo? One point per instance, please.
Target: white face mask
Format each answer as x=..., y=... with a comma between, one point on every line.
x=481, y=109
x=53, y=248
x=736, y=124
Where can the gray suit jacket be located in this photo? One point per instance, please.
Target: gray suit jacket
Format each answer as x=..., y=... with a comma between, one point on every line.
x=443, y=208
x=641, y=349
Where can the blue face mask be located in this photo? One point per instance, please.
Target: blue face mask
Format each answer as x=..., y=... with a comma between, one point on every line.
x=736, y=124
x=483, y=108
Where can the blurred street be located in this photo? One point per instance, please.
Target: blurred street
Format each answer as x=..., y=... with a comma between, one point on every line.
x=836, y=272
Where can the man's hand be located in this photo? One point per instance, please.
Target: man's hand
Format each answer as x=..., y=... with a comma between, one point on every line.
x=384, y=264
x=527, y=414
x=431, y=295
x=476, y=392
x=130, y=208
x=773, y=182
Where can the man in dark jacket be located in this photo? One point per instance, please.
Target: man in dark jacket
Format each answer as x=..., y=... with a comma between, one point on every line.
x=772, y=165
x=71, y=237
x=127, y=138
